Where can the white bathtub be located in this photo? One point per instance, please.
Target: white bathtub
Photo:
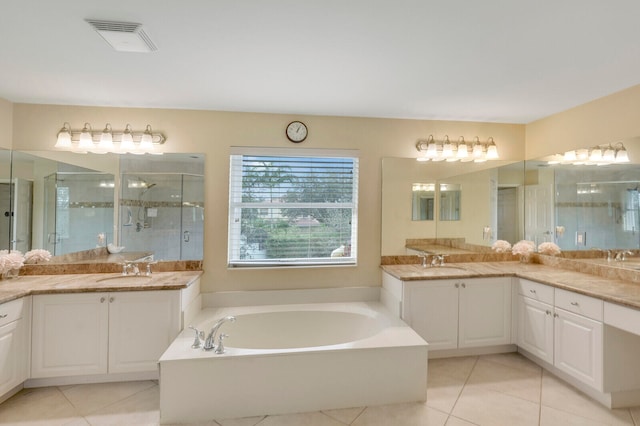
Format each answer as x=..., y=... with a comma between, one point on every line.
x=293, y=358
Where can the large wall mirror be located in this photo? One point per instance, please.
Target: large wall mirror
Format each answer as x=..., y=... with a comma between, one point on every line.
x=474, y=201
x=5, y=199
x=579, y=207
x=68, y=202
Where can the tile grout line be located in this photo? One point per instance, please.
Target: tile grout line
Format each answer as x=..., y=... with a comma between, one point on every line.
x=540, y=399
x=462, y=390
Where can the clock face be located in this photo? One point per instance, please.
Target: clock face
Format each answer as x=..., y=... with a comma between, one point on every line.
x=296, y=131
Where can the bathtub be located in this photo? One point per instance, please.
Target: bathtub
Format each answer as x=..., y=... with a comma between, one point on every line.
x=293, y=358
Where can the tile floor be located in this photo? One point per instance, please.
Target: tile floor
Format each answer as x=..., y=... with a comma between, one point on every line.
x=504, y=389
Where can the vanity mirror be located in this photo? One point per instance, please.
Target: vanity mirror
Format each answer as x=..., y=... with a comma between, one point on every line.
x=5, y=198
x=71, y=202
x=470, y=199
x=580, y=207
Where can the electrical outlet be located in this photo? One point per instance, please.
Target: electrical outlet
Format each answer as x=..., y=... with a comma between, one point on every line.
x=581, y=238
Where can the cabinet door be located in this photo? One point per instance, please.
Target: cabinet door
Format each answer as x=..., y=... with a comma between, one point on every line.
x=11, y=355
x=578, y=347
x=485, y=312
x=141, y=326
x=535, y=328
x=69, y=335
x=431, y=309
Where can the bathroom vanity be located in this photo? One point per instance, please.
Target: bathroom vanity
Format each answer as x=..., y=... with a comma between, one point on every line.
x=581, y=327
x=65, y=329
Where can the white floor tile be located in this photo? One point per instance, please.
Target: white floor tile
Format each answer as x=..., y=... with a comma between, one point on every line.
x=487, y=407
x=507, y=378
x=244, y=421
x=412, y=414
x=139, y=409
x=41, y=406
x=553, y=417
x=307, y=419
x=345, y=415
x=562, y=396
x=91, y=397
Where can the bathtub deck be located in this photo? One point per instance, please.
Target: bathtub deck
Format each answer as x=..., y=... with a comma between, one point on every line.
x=390, y=367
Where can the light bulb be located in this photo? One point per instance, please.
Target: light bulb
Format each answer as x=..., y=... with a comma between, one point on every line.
x=463, y=151
x=126, y=142
x=106, y=140
x=492, y=150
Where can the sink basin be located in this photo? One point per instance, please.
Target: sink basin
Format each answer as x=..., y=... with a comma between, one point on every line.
x=443, y=270
x=125, y=278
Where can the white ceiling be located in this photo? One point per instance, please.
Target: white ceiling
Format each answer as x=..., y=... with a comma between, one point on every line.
x=495, y=60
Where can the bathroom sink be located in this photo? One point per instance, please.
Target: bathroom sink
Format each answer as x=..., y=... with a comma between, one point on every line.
x=125, y=278
x=443, y=270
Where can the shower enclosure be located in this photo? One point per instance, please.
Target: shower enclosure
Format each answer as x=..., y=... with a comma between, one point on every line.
x=164, y=211
x=78, y=207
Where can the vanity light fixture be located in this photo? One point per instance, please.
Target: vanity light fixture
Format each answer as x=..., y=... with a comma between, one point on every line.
x=432, y=150
x=600, y=155
x=109, y=140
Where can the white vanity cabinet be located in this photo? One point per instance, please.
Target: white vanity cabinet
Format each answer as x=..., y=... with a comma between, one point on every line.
x=562, y=328
x=459, y=313
x=14, y=343
x=99, y=333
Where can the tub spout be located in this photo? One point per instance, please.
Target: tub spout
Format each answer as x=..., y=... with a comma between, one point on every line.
x=210, y=342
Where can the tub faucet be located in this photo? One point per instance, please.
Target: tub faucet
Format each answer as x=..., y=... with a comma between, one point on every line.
x=130, y=266
x=437, y=260
x=210, y=342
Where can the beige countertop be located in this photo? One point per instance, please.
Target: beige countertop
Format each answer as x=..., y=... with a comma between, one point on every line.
x=618, y=291
x=25, y=285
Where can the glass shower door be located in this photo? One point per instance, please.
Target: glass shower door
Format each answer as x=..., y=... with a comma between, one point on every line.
x=192, y=217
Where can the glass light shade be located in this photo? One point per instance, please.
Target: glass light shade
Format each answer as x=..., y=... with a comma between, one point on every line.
x=596, y=155
x=463, y=151
x=622, y=156
x=447, y=148
x=126, y=142
x=492, y=151
x=432, y=149
x=106, y=140
x=86, y=140
x=570, y=156
x=64, y=137
x=146, y=142
x=609, y=155
x=478, y=152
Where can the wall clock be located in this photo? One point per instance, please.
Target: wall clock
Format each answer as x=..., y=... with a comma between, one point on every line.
x=296, y=131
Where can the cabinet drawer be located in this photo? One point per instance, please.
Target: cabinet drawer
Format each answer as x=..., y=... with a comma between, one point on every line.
x=11, y=311
x=579, y=304
x=540, y=292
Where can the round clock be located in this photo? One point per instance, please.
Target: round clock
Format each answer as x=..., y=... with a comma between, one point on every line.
x=296, y=131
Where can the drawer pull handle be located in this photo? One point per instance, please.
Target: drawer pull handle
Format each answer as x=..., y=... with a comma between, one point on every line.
x=111, y=299
x=464, y=285
x=456, y=285
x=102, y=299
x=532, y=291
x=574, y=303
x=556, y=315
x=548, y=312
x=4, y=315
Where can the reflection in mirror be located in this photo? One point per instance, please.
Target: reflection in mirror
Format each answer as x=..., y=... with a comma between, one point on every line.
x=450, y=195
x=583, y=207
x=423, y=201
x=477, y=207
x=81, y=202
x=5, y=199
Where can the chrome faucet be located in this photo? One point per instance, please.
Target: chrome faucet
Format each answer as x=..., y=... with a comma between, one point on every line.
x=126, y=266
x=437, y=260
x=621, y=256
x=423, y=255
x=210, y=342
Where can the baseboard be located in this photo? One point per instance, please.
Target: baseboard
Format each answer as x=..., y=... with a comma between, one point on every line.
x=95, y=378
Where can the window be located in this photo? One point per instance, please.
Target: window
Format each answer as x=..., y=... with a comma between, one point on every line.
x=289, y=209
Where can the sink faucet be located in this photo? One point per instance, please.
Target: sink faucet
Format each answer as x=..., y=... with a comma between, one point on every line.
x=423, y=255
x=210, y=342
x=437, y=260
x=621, y=256
x=126, y=266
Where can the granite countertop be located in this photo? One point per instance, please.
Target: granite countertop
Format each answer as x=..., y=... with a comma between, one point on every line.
x=617, y=291
x=25, y=285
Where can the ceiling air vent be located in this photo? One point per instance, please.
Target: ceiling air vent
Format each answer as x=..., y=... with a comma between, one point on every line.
x=123, y=36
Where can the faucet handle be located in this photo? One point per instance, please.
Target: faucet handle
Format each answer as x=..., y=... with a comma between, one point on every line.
x=197, y=342
x=220, y=347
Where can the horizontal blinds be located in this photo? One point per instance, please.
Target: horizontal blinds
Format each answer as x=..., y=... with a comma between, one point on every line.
x=292, y=210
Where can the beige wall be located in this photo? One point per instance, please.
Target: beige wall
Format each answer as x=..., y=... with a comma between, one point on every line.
x=606, y=120
x=6, y=123
x=213, y=133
